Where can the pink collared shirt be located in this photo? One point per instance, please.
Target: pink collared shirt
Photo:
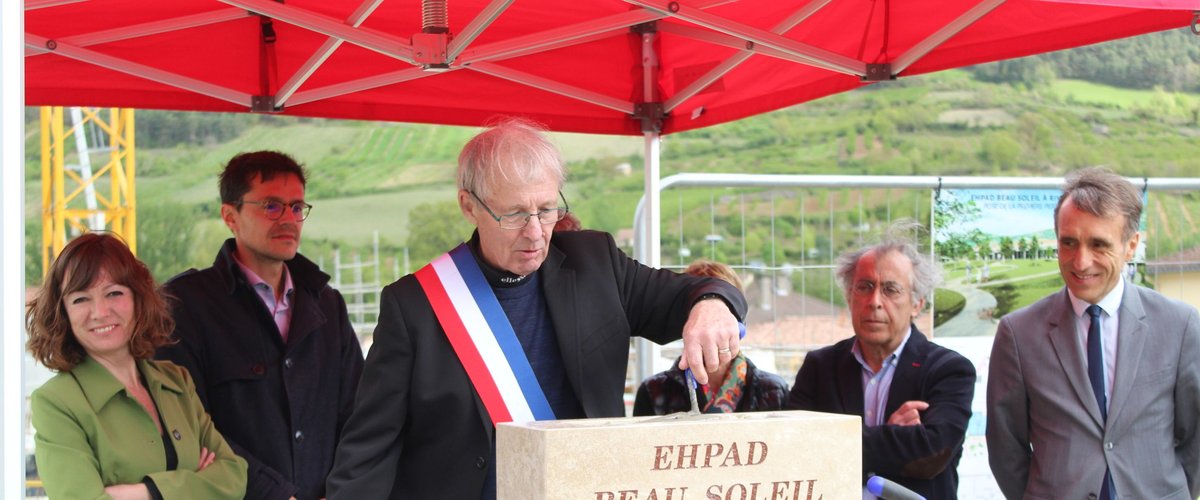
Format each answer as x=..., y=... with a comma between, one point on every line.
x=281, y=311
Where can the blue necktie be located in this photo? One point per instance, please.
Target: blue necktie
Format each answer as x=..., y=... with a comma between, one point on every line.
x=1096, y=375
x=1096, y=359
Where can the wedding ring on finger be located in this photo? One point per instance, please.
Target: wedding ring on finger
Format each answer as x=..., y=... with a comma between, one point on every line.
x=724, y=350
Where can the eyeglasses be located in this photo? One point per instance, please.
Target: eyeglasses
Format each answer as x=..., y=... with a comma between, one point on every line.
x=890, y=289
x=518, y=220
x=274, y=208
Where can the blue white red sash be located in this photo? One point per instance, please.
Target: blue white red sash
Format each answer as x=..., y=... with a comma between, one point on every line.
x=483, y=338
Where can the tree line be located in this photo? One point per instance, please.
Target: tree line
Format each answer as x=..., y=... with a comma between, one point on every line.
x=1169, y=60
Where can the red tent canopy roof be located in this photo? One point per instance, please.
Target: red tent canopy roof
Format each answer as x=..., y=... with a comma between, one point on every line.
x=583, y=66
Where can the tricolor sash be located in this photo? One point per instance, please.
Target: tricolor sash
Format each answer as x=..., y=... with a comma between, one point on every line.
x=483, y=339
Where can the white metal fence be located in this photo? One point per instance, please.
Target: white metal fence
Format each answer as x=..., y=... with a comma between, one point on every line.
x=782, y=234
x=795, y=304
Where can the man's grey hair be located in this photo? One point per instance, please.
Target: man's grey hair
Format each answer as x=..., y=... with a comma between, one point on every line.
x=1100, y=192
x=926, y=273
x=511, y=149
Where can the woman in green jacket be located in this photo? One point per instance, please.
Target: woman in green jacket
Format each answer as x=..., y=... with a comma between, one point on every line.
x=113, y=423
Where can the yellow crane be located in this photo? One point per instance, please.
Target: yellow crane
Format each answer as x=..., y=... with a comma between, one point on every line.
x=76, y=198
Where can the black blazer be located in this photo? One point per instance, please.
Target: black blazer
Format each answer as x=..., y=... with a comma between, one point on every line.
x=419, y=429
x=923, y=458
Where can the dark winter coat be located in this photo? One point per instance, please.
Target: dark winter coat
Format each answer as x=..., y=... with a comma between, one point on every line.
x=281, y=406
x=666, y=392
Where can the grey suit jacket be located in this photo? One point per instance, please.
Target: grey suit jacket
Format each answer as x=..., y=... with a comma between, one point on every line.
x=1045, y=435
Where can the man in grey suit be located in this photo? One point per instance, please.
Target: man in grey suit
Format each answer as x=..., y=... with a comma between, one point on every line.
x=1094, y=391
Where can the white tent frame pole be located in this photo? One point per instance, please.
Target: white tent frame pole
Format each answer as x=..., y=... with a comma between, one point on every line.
x=734, y=42
x=404, y=75
x=352, y=31
x=12, y=251
x=140, y=70
x=555, y=38
x=326, y=49
x=474, y=59
x=705, y=80
x=809, y=54
x=473, y=29
x=646, y=240
x=470, y=60
x=567, y=35
x=944, y=33
x=648, y=249
x=383, y=43
x=41, y=4
x=499, y=51
x=729, y=64
x=337, y=89
x=549, y=85
x=145, y=29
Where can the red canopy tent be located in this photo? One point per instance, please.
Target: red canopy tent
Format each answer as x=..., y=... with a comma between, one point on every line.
x=629, y=67
x=598, y=66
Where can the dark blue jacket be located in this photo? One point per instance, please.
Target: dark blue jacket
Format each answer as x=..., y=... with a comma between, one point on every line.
x=281, y=407
x=923, y=458
x=666, y=392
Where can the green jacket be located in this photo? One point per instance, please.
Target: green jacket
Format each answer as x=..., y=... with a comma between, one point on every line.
x=91, y=434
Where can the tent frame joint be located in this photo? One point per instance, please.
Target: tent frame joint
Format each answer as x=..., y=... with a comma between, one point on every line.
x=646, y=28
x=651, y=115
x=878, y=73
x=268, y=29
x=264, y=104
x=430, y=49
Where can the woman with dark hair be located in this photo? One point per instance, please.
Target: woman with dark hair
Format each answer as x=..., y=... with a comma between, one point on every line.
x=113, y=422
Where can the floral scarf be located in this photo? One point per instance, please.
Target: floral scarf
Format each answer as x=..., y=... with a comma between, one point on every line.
x=726, y=399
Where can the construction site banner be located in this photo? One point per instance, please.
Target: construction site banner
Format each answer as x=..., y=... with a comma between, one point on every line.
x=999, y=251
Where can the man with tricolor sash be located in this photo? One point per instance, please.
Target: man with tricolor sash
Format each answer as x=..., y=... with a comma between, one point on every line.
x=513, y=325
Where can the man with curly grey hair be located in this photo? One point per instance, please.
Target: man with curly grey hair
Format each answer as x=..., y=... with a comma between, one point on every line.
x=914, y=396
